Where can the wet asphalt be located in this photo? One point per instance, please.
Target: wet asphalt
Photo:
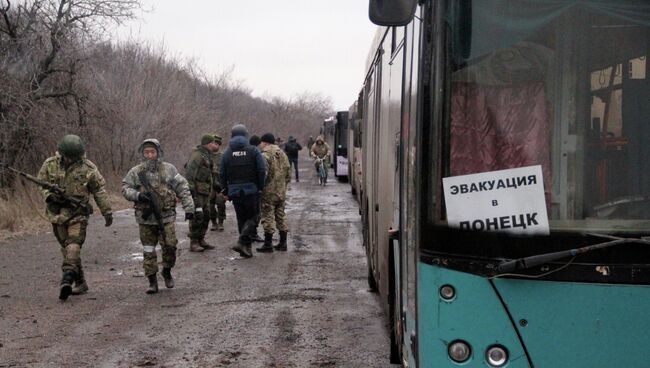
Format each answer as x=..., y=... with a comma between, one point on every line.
x=308, y=307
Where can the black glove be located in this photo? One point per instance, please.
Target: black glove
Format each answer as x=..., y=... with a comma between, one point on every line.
x=54, y=198
x=144, y=197
x=189, y=216
x=198, y=214
x=108, y=220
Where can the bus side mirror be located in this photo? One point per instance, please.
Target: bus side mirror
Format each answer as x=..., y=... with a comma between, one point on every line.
x=392, y=12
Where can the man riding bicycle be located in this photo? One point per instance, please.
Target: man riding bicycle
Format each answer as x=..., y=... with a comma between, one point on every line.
x=321, y=150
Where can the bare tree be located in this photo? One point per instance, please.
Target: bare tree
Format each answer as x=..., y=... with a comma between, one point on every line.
x=43, y=44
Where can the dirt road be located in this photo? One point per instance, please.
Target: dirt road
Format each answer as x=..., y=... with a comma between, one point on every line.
x=308, y=307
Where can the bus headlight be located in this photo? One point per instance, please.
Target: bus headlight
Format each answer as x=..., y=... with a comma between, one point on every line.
x=447, y=292
x=459, y=351
x=496, y=356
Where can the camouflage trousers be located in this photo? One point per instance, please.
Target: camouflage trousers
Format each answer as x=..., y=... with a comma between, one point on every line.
x=217, y=207
x=199, y=228
x=71, y=237
x=273, y=214
x=149, y=237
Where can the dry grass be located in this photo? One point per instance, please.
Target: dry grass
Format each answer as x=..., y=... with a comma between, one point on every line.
x=23, y=212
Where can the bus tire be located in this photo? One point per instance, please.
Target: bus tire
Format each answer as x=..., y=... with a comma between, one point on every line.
x=395, y=356
x=372, y=284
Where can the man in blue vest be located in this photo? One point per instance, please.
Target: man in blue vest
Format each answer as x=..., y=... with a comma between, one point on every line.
x=242, y=174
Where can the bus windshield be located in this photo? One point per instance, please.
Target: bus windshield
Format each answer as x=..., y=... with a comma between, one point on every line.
x=562, y=84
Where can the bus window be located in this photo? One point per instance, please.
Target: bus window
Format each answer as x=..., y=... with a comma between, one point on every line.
x=561, y=84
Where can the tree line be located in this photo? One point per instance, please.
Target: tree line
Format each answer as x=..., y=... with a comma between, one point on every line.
x=60, y=74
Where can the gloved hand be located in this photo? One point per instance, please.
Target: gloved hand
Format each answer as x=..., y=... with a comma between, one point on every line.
x=53, y=198
x=198, y=214
x=144, y=197
x=108, y=220
x=189, y=216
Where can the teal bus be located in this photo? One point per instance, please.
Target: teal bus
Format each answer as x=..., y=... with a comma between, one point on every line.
x=467, y=89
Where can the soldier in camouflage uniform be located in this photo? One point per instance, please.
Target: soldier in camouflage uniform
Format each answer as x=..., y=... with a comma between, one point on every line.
x=274, y=194
x=167, y=184
x=217, y=200
x=80, y=178
x=198, y=172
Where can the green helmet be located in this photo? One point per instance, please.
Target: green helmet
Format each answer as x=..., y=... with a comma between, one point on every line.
x=71, y=146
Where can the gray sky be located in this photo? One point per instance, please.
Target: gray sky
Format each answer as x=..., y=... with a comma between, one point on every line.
x=278, y=47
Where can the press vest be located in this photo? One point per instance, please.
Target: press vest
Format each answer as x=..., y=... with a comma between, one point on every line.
x=242, y=166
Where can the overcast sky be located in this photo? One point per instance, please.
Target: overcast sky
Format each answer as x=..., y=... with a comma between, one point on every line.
x=278, y=47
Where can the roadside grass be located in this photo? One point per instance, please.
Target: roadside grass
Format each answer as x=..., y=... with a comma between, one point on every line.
x=22, y=211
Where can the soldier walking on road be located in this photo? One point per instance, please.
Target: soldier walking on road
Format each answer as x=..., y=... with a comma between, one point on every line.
x=310, y=142
x=199, y=177
x=154, y=185
x=255, y=142
x=242, y=175
x=78, y=177
x=292, y=148
x=217, y=201
x=274, y=194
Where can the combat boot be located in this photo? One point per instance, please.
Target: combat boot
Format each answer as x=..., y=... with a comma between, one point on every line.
x=167, y=276
x=267, y=247
x=220, y=225
x=153, y=284
x=80, y=287
x=248, y=252
x=282, y=245
x=195, y=246
x=205, y=245
x=239, y=248
x=214, y=227
x=66, y=285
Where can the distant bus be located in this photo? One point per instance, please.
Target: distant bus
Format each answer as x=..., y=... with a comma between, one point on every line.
x=460, y=99
x=355, y=115
x=335, y=132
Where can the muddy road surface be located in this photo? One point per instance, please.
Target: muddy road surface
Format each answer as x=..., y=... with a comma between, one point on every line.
x=308, y=307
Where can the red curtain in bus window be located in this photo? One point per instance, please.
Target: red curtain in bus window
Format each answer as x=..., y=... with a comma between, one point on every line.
x=500, y=127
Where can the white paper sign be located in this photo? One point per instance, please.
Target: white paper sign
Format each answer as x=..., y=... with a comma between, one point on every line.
x=342, y=166
x=507, y=200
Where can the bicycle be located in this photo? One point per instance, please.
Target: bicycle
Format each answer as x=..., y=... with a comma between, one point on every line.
x=322, y=171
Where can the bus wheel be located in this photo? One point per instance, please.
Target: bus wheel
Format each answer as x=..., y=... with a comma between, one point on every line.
x=393, y=309
x=372, y=284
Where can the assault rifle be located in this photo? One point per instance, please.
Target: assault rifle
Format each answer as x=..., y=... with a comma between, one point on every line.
x=68, y=199
x=155, y=204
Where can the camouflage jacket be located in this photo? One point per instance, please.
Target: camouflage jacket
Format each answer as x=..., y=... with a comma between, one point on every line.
x=198, y=171
x=167, y=182
x=278, y=172
x=216, y=160
x=81, y=179
x=320, y=150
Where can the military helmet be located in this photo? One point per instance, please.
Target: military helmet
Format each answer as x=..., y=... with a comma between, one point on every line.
x=153, y=142
x=239, y=130
x=71, y=146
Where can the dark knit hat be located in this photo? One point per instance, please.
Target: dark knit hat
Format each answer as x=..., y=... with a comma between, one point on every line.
x=217, y=138
x=254, y=141
x=268, y=138
x=207, y=138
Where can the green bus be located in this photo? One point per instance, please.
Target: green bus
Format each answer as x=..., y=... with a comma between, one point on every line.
x=551, y=100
